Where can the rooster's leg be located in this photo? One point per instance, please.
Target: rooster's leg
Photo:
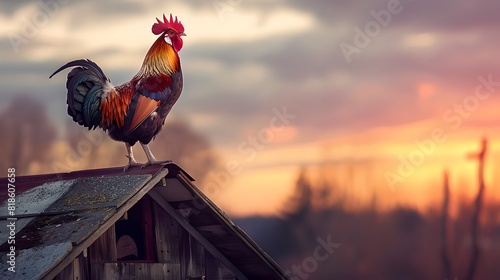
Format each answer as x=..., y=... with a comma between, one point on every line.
x=151, y=157
x=130, y=156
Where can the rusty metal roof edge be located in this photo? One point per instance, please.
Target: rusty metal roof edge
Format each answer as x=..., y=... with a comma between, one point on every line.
x=55, y=269
x=224, y=219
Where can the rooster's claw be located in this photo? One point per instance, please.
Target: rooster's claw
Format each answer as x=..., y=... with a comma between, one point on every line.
x=131, y=164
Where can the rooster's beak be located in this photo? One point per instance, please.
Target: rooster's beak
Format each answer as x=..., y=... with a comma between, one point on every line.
x=182, y=34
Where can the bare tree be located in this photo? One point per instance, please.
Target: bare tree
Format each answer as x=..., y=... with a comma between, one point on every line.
x=89, y=149
x=477, y=210
x=300, y=204
x=186, y=147
x=444, y=223
x=27, y=134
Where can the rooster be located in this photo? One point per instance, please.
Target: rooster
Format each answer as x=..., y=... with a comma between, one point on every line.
x=136, y=110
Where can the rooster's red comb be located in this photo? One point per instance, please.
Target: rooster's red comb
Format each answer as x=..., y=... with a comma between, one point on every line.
x=161, y=27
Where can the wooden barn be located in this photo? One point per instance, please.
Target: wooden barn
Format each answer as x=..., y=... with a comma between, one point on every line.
x=149, y=223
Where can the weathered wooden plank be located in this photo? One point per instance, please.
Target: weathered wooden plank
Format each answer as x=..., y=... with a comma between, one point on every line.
x=168, y=236
x=165, y=271
x=196, y=234
x=192, y=257
x=215, y=270
x=102, y=251
x=76, y=270
x=146, y=206
x=214, y=231
x=203, y=219
x=81, y=267
x=119, y=271
x=66, y=273
x=142, y=271
x=175, y=191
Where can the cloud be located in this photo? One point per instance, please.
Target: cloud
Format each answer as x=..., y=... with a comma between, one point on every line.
x=268, y=54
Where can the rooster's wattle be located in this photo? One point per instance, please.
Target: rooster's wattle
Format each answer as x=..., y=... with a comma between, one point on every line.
x=136, y=110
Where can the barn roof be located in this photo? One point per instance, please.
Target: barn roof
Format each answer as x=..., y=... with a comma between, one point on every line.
x=59, y=215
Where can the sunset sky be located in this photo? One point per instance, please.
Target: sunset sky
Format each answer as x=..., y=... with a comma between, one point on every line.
x=278, y=85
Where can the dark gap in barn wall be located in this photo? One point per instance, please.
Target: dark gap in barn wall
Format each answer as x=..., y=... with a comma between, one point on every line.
x=130, y=233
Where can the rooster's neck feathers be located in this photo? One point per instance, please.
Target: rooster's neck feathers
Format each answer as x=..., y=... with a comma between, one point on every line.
x=161, y=59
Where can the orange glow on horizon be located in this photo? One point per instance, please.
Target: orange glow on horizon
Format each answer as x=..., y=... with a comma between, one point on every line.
x=360, y=180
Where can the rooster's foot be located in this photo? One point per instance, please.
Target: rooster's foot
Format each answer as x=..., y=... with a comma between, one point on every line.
x=131, y=163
